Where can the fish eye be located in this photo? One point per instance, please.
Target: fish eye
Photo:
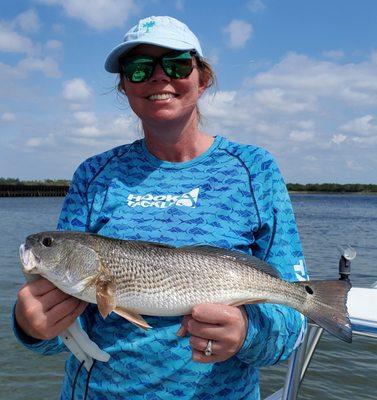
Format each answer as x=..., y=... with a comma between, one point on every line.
x=309, y=289
x=47, y=241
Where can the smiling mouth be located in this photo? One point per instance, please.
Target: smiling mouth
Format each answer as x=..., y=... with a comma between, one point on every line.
x=161, y=96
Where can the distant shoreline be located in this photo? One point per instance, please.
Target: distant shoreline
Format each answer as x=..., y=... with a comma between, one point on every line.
x=50, y=188
x=333, y=193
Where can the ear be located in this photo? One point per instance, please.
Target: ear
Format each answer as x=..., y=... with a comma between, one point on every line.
x=203, y=82
x=123, y=85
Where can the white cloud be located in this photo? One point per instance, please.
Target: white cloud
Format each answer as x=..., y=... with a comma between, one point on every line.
x=282, y=101
x=224, y=106
x=48, y=66
x=367, y=143
x=301, y=136
x=238, y=33
x=39, y=141
x=311, y=158
x=34, y=142
x=8, y=117
x=58, y=28
x=305, y=124
x=89, y=131
x=361, y=126
x=98, y=14
x=54, y=44
x=85, y=117
x=353, y=83
x=354, y=165
x=123, y=124
x=13, y=42
x=334, y=54
x=255, y=5
x=76, y=90
x=77, y=106
x=28, y=21
x=337, y=139
x=109, y=131
x=213, y=57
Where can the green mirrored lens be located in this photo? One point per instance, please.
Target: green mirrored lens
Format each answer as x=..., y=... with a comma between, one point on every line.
x=138, y=68
x=177, y=65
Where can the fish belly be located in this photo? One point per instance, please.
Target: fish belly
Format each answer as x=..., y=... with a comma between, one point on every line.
x=164, y=304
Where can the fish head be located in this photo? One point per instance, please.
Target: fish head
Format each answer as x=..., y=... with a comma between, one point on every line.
x=64, y=258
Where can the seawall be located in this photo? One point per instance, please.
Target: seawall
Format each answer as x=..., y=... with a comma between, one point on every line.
x=33, y=190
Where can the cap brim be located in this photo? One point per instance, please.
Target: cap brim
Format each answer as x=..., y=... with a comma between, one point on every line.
x=112, y=60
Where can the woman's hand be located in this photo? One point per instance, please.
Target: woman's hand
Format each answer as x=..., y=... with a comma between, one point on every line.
x=225, y=326
x=43, y=311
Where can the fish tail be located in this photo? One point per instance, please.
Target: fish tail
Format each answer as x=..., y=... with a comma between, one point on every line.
x=327, y=306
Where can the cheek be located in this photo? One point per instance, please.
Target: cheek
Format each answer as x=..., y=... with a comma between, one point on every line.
x=133, y=97
x=197, y=86
x=131, y=90
x=189, y=88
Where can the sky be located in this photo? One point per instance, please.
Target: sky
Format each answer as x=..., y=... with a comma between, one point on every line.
x=298, y=78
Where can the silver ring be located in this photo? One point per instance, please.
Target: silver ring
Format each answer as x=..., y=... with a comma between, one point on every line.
x=208, y=349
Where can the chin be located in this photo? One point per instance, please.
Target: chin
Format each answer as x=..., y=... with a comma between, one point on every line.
x=161, y=117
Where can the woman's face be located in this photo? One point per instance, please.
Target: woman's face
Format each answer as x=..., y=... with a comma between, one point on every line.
x=163, y=99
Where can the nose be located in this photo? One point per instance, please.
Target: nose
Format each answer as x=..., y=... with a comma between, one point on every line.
x=159, y=75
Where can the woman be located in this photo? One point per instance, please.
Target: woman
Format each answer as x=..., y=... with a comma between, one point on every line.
x=178, y=186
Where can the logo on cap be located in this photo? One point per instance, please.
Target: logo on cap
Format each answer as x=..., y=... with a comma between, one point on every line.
x=148, y=25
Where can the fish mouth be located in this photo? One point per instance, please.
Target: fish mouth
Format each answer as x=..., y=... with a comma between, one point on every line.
x=28, y=260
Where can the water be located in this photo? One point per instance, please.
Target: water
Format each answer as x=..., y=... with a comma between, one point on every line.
x=338, y=371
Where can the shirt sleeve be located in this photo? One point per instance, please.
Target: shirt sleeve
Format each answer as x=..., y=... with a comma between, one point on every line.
x=73, y=217
x=274, y=330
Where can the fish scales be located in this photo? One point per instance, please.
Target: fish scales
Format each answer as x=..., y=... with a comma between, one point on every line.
x=148, y=279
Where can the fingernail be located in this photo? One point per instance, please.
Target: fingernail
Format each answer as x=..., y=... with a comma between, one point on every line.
x=181, y=331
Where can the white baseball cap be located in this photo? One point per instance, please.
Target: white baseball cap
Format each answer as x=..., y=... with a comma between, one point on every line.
x=159, y=31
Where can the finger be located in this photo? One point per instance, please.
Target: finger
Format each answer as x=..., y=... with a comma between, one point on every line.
x=40, y=287
x=52, y=298
x=68, y=320
x=215, y=313
x=182, y=331
x=200, y=344
x=206, y=331
x=199, y=356
x=62, y=310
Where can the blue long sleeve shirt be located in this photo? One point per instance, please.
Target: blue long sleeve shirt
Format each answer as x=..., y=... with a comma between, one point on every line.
x=232, y=196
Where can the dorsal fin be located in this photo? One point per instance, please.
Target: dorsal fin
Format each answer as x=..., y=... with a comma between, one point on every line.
x=234, y=255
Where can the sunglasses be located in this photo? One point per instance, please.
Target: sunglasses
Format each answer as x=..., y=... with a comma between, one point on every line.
x=175, y=64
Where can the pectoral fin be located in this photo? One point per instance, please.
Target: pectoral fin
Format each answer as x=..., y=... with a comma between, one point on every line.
x=106, y=302
x=136, y=319
x=105, y=295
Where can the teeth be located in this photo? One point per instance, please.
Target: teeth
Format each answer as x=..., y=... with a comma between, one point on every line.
x=24, y=255
x=163, y=96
